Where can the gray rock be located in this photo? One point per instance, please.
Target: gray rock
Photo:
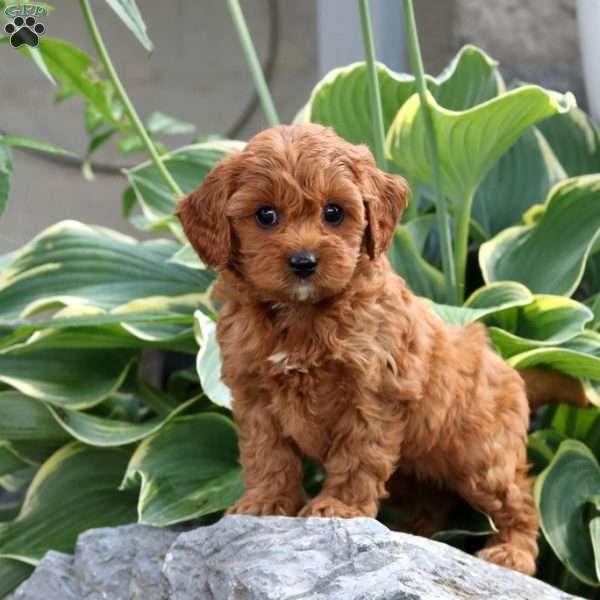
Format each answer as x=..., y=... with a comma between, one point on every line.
x=279, y=558
x=122, y=563
x=53, y=579
x=272, y=558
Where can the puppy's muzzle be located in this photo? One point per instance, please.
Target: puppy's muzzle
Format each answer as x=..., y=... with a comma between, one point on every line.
x=303, y=264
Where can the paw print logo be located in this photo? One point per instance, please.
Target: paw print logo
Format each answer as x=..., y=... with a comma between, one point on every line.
x=24, y=31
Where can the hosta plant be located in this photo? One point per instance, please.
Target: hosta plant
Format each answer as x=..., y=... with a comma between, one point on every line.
x=91, y=435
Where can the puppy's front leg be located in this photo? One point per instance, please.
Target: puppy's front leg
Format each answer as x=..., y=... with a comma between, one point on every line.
x=362, y=457
x=272, y=467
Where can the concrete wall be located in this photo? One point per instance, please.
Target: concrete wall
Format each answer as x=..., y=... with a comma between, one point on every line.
x=197, y=73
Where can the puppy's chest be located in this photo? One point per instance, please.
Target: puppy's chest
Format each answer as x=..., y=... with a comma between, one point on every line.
x=308, y=397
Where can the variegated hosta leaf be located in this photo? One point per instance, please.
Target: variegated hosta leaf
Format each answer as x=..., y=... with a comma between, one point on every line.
x=75, y=490
x=549, y=255
x=104, y=432
x=469, y=141
x=12, y=573
x=575, y=141
x=75, y=378
x=567, y=494
x=341, y=99
x=406, y=260
x=521, y=178
x=208, y=362
x=188, y=166
x=10, y=460
x=546, y=321
x=154, y=322
x=579, y=357
x=186, y=470
x=24, y=418
x=485, y=302
x=75, y=264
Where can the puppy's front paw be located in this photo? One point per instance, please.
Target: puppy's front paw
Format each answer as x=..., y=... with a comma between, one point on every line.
x=327, y=506
x=260, y=506
x=510, y=556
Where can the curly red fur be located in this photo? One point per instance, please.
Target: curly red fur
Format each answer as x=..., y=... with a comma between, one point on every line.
x=348, y=367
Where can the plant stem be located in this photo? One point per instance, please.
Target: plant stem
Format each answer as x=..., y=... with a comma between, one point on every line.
x=250, y=52
x=441, y=211
x=374, y=92
x=461, y=247
x=129, y=108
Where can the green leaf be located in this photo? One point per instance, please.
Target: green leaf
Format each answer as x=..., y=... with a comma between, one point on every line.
x=153, y=322
x=68, y=378
x=129, y=13
x=579, y=357
x=102, y=432
x=574, y=422
x=10, y=461
x=38, y=60
x=74, y=68
x=75, y=490
x=15, y=482
x=188, y=469
x=9, y=512
x=20, y=141
x=24, y=418
x=521, y=178
x=466, y=523
x=130, y=143
x=74, y=264
x=485, y=302
x=5, y=173
x=549, y=256
x=12, y=573
x=187, y=165
x=469, y=141
x=422, y=277
x=563, y=493
x=161, y=123
x=208, y=362
x=187, y=257
x=541, y=448
x=341, y=99
x=98, y=141
x=546, y=321
x=575, y=141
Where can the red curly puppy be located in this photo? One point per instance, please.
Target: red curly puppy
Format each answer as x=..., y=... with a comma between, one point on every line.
x=329, y=355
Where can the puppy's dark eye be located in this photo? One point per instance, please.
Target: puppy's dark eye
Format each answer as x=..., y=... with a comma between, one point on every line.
x=266, y=217
x=333, y=214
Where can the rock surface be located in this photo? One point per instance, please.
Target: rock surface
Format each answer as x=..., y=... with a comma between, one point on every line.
x=272, y=558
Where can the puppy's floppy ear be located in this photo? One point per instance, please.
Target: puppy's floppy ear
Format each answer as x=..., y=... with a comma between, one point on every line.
x=385, y=200
x=203, y=217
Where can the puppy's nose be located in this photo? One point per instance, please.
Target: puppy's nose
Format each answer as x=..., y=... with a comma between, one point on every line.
x=304, y=264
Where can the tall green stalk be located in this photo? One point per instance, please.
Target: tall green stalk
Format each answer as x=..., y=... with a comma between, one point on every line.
x=374, y=92
x=260, y=84
x=122, y=94
x=450, y=269
x=461, y=244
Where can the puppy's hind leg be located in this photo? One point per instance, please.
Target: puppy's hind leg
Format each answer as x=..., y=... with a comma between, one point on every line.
x=510, y=505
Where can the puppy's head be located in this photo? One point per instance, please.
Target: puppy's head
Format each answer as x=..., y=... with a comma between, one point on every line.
x=293, y=212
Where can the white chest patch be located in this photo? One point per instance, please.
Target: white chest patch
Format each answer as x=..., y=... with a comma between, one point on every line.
x=282, y=359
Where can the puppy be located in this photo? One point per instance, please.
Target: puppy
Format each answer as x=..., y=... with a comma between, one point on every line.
x=329, y=355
